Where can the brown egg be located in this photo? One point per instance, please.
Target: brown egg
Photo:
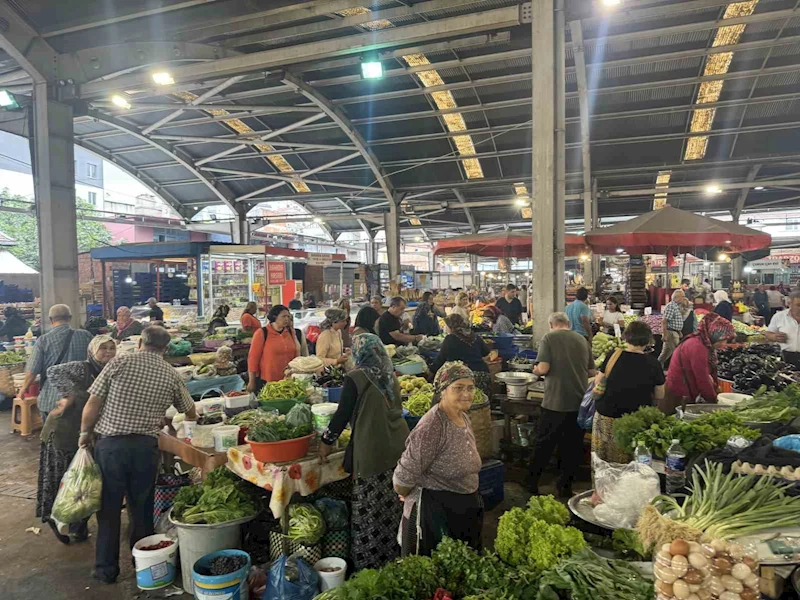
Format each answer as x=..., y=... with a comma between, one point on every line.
x=664, y=587
x=749, y=594
x=693, y=577
x=679, y=547
x=703, y=594
x=723, y=565
x=750, y=563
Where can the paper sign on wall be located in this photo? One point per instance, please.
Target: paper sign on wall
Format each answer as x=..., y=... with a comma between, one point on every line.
x=276, y=273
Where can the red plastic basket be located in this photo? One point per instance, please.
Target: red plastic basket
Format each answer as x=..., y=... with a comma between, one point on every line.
x=284, y=451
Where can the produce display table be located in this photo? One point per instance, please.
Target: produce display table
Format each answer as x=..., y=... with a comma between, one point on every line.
x=229, y=383
x=304, y=476
x=206, y=459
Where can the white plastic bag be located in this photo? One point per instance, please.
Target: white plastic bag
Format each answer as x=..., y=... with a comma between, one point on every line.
x=80, y=491
x=624, y=491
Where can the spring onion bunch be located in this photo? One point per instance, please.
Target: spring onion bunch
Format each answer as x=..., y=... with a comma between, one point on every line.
x=727, y=506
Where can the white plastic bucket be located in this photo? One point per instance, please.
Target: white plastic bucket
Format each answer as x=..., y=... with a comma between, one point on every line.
x=226, y=436
x=323, y=413
x=198, y=540
x=155, y=569
x=203, y=435
x=330, y=579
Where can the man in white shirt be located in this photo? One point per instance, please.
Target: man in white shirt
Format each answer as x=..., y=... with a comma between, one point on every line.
x=785, y=329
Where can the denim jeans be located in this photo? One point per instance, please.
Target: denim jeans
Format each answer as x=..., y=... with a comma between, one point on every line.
x=129, y=465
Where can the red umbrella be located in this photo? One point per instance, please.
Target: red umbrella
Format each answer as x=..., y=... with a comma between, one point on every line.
x=504, y=244
x=674, y=231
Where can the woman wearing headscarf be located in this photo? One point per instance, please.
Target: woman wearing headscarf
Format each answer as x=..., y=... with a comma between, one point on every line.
x=438, y=472
x=463, y=345
x=14, y=325
x=59, y=438
x=248, y=320
x=723, y=307
x=497, y=320
x=371, y=403
x=692, y=371
x=365, y=320
x=461, y=307
x=330, y=347
x=126, y=325
x=219, y=318
x=426, y=321
x=344, y=304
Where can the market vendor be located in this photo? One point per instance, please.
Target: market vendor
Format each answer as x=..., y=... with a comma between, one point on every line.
x=692, y=371
x=510, y=305
x=390, y=324
x=437, y=475
x=580, y=314
x=372, y=404
x=426, y=317
x=14, y=325
x=219, y=318
x=330, y=347
x=272, y=349
x=126, y=325
x=462, y=306
x=376, y=302
x=344, y=304
x=723, y=307
x=784, y=328
x=612, y=315
x=497, y=320
x=366, y=319
x=463, y=345
x=156, y=314
x=248, y=320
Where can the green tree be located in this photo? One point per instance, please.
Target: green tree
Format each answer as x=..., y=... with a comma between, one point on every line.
x=21, y=227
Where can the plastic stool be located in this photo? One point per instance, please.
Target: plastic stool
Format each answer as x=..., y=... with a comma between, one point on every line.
x=25, y=416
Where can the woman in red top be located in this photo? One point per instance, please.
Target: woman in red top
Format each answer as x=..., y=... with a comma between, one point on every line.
x=269, y=358
x=693, y=369
x=249, y=321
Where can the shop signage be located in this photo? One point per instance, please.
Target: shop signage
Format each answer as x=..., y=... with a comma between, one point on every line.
x=276, y=273
x=319, y=259
x=770, y=263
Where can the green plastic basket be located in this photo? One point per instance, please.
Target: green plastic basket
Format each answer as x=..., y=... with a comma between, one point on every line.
x=282, y=406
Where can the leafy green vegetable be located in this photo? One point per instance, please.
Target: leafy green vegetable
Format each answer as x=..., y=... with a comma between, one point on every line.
x=628, y=543
x=287, y=389
x=463, y=571
x=220, y=498
x=586, y=576
x=419, y=403
x=306, y=524
x=769, y=406
x=627, y=427
x=248, y=418
x=548, y=509
x=79, y=494
x=12, y=357
x=300, y=416
x=276, y=429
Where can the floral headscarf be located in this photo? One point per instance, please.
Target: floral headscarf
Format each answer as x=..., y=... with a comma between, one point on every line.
x=332, y=315
x=493, y=311
x=713, y=329
x=449, y=373
x=460, y=328
x=370, y=356
x=124, y=319
x=69, y=377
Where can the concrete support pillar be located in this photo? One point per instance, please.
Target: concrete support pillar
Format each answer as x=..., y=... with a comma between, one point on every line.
x=52, y=158
x=595, y=225
x=473, y=267
x=391, y=223
x=543, y=167
x=372, y=251
x=560, y=103
x=240, y=227
x=737, y=268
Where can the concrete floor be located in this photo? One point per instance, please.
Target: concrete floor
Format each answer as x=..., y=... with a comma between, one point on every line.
x=38, y=566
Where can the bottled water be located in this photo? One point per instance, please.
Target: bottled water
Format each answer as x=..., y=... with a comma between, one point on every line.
x=642, y=455
x=676, y=468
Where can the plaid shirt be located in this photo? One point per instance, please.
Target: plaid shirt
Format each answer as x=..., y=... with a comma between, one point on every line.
x=673, y=317
x=137, y=389
x=45, y=354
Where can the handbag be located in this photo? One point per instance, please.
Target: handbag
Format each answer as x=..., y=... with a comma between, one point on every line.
x=59, y=360
x=600, y=386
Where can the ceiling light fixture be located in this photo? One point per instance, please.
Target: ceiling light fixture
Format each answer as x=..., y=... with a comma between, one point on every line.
x=620, y=250
x=612, y=3
x=727, y=241
x=713, y=189
x=163, y=78
x=371, y=69
x=317, y=220
x=7, y=100
x=121, y=100
x=758, y=188
x=722, y=256
x=522, y=201
x=418, y=239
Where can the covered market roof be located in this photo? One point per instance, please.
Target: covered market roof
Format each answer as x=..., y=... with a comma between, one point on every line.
x=268, y=103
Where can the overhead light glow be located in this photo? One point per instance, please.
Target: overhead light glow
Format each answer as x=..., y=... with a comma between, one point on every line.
x=620, y=250
x=723, y=256
x=418, y=239
x=612, y=3
x=713, y=189
x=7, y=100
x=196, y=208
x=163, y=78
x=317, y=220
x=758, y=188
x=748, y=269
x=128, y=280
x=121, y=100
x=372, y=69
x=522, y=201
x=706, y=264
x=727, y=241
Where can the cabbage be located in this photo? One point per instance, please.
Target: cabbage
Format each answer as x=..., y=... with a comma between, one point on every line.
x=80, y=492
x=300, y=416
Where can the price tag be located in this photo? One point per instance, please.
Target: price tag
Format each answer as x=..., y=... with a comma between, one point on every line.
x=617, y=330
x=648, y=310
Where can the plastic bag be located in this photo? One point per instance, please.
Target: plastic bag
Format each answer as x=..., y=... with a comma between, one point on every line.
x=302, y=582
x=788, y=442
x=586, y=411
x=334, y=512
x=80, y=492
x=624, y=491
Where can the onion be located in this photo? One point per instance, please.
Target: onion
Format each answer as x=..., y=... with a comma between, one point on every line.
x=697, y=560
x=741, y=571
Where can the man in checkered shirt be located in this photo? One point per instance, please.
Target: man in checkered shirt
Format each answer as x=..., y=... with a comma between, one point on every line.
x=672, y=325
x=125, y=412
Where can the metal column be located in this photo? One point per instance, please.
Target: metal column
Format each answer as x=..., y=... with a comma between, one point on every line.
x=543, y=167
x=240, y=227
x=52, y=158
x=560, y=153
x=391, y=223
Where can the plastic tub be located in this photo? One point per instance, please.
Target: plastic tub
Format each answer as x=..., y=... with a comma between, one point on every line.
x=285, y=451
x=155, y=569
x=411, y=368
x=323, y=413
x=242, y=401
x=203, y=435
x=198, y=540
x=282, y=406
x=212, y=405
x=226, y=436
x=731, y=399
x=334, y=394
x=231, y=586
x=330, y=579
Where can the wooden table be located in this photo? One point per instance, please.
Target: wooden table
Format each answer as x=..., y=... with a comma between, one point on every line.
x=206, y=459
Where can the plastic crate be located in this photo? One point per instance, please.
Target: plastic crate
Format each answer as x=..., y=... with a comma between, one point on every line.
x=490, y=483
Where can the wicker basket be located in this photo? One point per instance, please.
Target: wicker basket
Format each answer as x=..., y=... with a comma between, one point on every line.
x=6, y=379
x=480, y=416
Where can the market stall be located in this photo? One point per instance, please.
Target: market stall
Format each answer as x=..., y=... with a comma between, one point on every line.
x=505, y=244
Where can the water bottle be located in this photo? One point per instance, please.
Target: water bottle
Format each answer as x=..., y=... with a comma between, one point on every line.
x=642, y=455
x=676, y=468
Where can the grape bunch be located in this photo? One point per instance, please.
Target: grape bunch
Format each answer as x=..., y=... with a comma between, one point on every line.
x=222, y=565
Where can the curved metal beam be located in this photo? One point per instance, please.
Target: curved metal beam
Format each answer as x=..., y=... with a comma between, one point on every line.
x=220, y=190
x=347, y=127
x=360, y=221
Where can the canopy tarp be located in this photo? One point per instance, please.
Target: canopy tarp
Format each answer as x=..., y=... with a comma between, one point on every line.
x=675, y=231
x=504, y=244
